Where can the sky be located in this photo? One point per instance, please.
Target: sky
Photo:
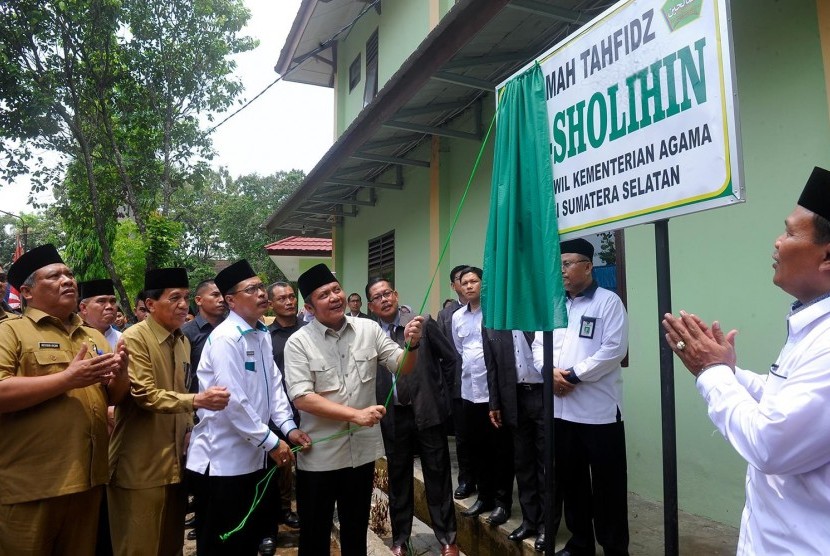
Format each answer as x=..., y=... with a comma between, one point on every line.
x=290, y=126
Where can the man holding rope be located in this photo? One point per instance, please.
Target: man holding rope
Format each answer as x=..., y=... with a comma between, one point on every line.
x=330, y=372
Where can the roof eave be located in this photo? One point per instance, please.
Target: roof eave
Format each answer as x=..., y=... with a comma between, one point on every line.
x=460, y=24
x=297, y=29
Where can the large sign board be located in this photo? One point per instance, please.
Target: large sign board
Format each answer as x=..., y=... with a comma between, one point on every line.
x=642, y=115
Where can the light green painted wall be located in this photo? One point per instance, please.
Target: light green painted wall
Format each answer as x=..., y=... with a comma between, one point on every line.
x=402, y=25
x=720, y=259
x=721, y=265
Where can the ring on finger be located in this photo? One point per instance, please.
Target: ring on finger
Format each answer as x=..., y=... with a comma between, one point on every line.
x=681, y=345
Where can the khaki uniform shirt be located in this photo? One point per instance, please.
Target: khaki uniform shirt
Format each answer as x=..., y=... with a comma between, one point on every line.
x=147, y=446
x=340, y=366
x=58, y=446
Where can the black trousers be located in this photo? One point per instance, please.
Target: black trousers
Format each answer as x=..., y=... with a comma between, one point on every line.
x=466, y=472
x=592, y=473
x=317, y=493
x=222, y=504
x=529, y=454
x=492, y=456
x=431, y=444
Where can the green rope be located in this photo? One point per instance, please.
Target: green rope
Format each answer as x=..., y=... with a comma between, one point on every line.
x=267, y=478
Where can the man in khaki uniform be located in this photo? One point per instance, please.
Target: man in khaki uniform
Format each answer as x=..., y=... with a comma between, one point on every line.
x=146, y=497
x=55, y=383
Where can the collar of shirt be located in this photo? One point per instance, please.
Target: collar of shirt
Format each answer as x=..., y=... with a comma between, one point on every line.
x=201, y=322
x=37, y=315
x=276, y=326
x=322, y=329
x=387, y=326
x=470, y=309
x=587, y=292
x=160, y=332
x=804, y=314
x=243, y=327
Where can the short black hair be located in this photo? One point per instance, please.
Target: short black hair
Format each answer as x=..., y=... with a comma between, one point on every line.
x=140, y=296
x=202, y=285
x=277, y=284
x=374, y=280
x=456, y=270
x=154, y=294
x=354, y=293
x=474, y=269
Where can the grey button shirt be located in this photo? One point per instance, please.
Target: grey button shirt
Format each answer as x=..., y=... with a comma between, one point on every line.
x=339, y=365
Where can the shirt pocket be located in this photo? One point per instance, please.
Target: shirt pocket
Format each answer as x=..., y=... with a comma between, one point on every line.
x=49, y=361
x=325, y=377
x=365, y=362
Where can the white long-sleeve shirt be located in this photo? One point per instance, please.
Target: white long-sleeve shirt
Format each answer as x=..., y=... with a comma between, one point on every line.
x=780, y=424
x=593, y=344
x=235, y=440
x=466, y=334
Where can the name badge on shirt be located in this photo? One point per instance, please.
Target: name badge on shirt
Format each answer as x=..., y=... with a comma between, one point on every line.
x=586, y=327
x=49, y=345
x=250, y=366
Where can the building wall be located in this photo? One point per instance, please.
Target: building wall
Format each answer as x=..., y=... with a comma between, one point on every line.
x=402, y=25
x=721, y=266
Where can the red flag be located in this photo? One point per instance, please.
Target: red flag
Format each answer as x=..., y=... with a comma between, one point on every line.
x=14, y=295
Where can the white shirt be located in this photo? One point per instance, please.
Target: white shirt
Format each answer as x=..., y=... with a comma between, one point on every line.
x=112, y=336
x=235, y=440
x=780, y=424
x=526, y=372
x=593, y=344
x=466, y=334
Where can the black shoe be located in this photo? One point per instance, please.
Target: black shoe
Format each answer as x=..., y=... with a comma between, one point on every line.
x=498, y=516
x=190, y=523
x=522, y=533
x=540, y=543
x=267, y=547
x=565, y=552
x=464, y=490
x=478, y=508
x=191, y=535
x=291, y=519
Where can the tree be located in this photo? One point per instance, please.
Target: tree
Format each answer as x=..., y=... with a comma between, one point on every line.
x=249, y=201
x=116, y=86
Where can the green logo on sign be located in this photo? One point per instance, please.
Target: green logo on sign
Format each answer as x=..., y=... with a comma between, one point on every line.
x=681, y=12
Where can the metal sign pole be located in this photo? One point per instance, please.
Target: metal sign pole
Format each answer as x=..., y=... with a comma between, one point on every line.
x=550, y=510
x=661, y=241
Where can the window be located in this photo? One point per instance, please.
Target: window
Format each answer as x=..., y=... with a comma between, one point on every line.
x=354, y=73
x=382, y=256
x=371, y=88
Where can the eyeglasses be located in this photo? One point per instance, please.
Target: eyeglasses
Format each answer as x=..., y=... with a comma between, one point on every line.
x=383, y=295
x=568, y=264
x=250, y=290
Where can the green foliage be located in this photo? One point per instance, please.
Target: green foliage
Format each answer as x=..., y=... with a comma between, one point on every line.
x=129, y=255
x=248, y=203
x=608, y=248
x=162, y=240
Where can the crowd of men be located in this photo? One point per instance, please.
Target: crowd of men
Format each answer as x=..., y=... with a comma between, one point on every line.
x=214, y=407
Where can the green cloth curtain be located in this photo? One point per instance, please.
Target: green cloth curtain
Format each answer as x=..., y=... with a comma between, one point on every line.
x=522, y=286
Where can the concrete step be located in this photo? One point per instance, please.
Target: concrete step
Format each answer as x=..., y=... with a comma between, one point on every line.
x=476, y=537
